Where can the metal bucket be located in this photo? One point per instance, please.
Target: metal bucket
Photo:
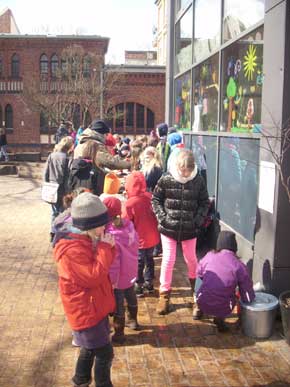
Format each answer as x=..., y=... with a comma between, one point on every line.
x=258, y=317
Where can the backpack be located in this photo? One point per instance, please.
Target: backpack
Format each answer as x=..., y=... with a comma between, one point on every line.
x=84, y=174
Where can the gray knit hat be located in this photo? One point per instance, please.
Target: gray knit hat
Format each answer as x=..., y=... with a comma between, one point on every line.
x=88, y=212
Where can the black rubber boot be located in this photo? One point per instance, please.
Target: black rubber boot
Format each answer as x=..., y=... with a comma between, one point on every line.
x=132, y=322
x=119, y=325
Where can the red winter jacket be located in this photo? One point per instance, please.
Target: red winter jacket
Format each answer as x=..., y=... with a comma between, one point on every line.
x=138, y=209
x=84, y=283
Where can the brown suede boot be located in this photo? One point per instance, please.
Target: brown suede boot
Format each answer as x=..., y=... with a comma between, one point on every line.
x=132, y=322
x=163, y=306
x=196, y=312
x=119, y=325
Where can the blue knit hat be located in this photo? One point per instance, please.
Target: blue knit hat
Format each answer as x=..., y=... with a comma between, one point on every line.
x=174, y=139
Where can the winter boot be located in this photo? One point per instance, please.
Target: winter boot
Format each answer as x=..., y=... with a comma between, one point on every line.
x=132, y=317
x=163, y=306
x=119, y=325
x=221, y=325
x=196, y=312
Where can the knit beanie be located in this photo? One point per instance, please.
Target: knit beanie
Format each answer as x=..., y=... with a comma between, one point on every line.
x=227, y=240
x=162, y=129
x=172, y=129
x=100, y=127
x=88, y=212
x=174, y=139
x=113, y=205
x=112, y=183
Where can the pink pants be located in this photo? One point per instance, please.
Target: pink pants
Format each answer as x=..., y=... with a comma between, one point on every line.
x=169, y=257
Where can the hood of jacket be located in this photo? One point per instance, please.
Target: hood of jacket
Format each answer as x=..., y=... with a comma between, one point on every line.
x=90, y=134
x=173, y=170
x=71, y=240
x=135, y=184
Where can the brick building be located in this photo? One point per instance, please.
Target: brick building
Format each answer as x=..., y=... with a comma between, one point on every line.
x=25, y=58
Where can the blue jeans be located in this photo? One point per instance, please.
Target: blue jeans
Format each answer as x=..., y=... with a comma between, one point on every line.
x=130, y=296
x=145, y=260
x=103, y=362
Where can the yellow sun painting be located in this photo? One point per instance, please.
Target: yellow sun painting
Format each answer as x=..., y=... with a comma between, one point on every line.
x=250, y=62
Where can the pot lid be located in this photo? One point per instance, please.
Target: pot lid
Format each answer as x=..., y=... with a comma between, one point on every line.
x=262, y=302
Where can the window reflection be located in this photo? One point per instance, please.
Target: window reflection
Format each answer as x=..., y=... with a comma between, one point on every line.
x=205, y=99
x=182, y=101
x=181, y=4
x=183, y=42
x=242, y=84
x=238, y=184
x=240, y=15
x=205, y=152
x=206, y=34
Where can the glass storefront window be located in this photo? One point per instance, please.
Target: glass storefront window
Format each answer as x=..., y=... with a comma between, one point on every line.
x=181, y=4
x=240, y=15
x=238, y=184
x=206, y=28
x=242, y=84
x=182, y=101
x=205, y=153
x=183, y=42
x=205, y=95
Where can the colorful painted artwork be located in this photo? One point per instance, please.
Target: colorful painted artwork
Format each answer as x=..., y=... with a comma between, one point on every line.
x=182, y=101
x=250, y=62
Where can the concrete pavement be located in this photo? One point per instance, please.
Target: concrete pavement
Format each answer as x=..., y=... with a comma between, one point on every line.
x=170, y=351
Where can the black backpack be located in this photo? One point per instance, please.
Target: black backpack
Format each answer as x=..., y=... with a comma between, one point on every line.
x=84, y=174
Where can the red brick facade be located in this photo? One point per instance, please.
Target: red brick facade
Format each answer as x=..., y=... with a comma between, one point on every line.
x=144, y=85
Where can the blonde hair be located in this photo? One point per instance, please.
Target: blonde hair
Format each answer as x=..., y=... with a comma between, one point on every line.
x=185, y=159
x=154, y=162
x=144, y=139
x=136, y=150
x=65, y=145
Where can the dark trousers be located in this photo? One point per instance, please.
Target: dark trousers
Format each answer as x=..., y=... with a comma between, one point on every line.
x=121, y=294
x=145, y=260
x=103, y=361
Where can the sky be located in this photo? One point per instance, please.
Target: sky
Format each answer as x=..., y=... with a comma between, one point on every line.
x=128, y=23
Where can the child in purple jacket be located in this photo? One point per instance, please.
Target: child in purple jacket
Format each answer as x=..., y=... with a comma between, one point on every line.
x=221, y=273
x=123, y=271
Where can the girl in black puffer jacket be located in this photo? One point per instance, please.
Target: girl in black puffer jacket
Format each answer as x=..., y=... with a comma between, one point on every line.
x=180, y=202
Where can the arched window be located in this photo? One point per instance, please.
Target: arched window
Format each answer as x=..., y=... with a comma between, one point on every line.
x=64, y=67
x=54, y=66
x=8, y=117
x=43, y=121
x=150, y=119
x=86, y=66
x=120, y=116
x=15, y=66
x=43, y=64
x=140, y=116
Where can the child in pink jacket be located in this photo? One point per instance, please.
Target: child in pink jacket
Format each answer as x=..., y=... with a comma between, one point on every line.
x=123, y=271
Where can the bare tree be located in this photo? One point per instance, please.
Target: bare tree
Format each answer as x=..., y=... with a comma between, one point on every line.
x=76, y=89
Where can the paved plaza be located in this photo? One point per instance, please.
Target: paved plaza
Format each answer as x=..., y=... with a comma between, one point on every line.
x=170, y=351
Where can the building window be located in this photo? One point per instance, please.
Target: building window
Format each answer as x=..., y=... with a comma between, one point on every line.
x=205, y=95
x=150, y=119
x=86, y=119
x=181, y=4
x=86, y=66
x=238, y=184
x=242, y=84
x=1, y=117
x=43, y=64
x=1, y=68
x=15, y=66
x=64, y=68
x=54, y=66
x=182, y=101
x=206, y=28
x=183, y=42
x=8, y=117
x=140, y=116
x=120, y=116
x=129, y=115
x=239, y=16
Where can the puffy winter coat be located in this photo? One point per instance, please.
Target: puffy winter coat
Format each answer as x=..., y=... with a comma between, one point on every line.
x=123, y=271
x=221, y=273
x=180, y=208
x=85, y=287
x=84, y=174
x=138, y=209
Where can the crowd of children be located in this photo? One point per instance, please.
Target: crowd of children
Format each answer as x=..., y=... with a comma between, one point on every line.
x=105, y=228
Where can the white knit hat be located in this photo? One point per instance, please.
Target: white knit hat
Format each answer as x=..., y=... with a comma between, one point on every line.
x=88, y=212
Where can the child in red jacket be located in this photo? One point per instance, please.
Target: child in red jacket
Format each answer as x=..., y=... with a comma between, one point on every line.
x=84, y=256
x=139, y=210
